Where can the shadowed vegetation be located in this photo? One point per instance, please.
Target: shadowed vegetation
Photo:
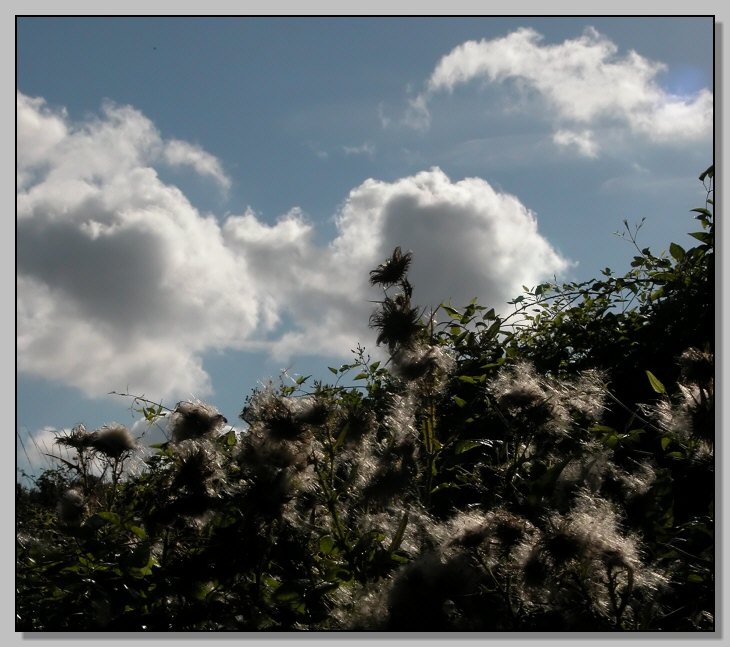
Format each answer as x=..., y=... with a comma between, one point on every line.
x=551, y=468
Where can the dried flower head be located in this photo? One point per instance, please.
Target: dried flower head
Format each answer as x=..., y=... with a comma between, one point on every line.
x=535, y=570
x=359, y=423
x=197, y=466
x=521, y=393
x=469, y=529
x=308, y=410
x=194, y=420
x=284, y=418
x=113, y=440
x=418, y=362
x=78, y=438
x=524, y=394
x=690, y=415
x=392, y=474
x=71, y=507
x=393, y=269
x=397, y=323
x=587, y=395
x=697, y=367
x=261, y=451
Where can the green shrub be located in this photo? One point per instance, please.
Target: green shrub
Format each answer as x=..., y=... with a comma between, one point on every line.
x=548, y=469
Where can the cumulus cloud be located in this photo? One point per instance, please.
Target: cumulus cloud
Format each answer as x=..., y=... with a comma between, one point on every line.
x=367, y=148
x=180, y=153
x=583, y=81
x=123, y=282
x=469, y=241
x=582, y=142
x=117, y=272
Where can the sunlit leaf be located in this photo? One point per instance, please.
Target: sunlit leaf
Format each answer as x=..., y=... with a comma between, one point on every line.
x=655, y=383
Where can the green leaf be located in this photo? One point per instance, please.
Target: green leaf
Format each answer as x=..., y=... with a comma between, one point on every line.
x=677, y=252
x=465, y=445
x=302, y=379
x=327, y=545
x=467, y=378
x=702, y=236
x=341, y=437
x=338, y=574
x=709, y=171
x=665, y=442
x=460, y=402
x=454, y=314
x=112, y=517
x=374, y=366
x=655, y=383
x=360, y=376
x=398, y=537
x=704, y=213
x=603, y=429
x=287, y=592
x=332, y=369
x=138, y=531
x=493, y=329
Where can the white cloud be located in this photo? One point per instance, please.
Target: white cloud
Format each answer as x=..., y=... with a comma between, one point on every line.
x=582, y=81
x=33, y=448
x=123, y=283
x=42, y=129
x=179, y=153
x=468, y=241
x=582, y=141
x=367, y=149
x=120, y=280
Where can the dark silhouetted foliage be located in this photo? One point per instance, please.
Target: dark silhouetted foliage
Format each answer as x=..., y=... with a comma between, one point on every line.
x=546, y=469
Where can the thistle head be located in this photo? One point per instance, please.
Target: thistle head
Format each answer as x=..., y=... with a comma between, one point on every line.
x=697, y=367
x=198, y=467
x=71, y=507
x=398, y=324
x=429, y=361
x=393, y=269
x=194, y=420
x=112, y=440
x=78, y=438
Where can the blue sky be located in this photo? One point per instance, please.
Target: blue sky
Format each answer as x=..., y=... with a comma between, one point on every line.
x=199, y=200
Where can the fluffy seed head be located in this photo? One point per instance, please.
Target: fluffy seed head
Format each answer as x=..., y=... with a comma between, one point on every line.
x=194, y=420
x=393, y=269
x=113, y=440
x=78, y=438
x=697, y=367
x=71, y=507
x=198, y=468
x=522, y=393
x=397, y=323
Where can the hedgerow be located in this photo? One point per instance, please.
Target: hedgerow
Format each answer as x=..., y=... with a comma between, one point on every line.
x=551, y=468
